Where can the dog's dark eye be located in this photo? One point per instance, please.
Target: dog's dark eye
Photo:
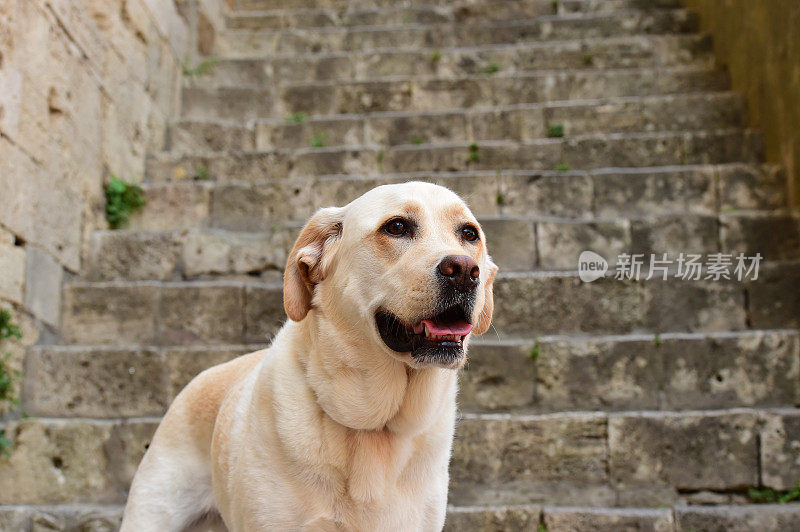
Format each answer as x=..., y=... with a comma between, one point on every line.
x=396, y=227
x=469, y=233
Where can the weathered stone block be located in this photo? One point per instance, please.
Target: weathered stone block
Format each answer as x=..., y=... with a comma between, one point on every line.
x=173, y=206
x=774, y=236
x=497, y=450
x=560, y=244
x=512, y=243
x=496, y=377
x=185, y=363
x=12, y=264
x=264, y=313
x=55, y=463
x=129, y=255
x=43, y=286
x=332, y=132
x=701, y=306
x=259, y=207
x=743, y=186
x=109, y=313
x=722, y=371
x=201, y=313
x=774, y=298
x=607, y=519
x=780, y=445
x=691, y=451
x=657, y=192
x=93, y=382
x=597, y=375
x=566, y=194
x=492, y=519
x=766, y=518
x=674, y=235
x=524, y=305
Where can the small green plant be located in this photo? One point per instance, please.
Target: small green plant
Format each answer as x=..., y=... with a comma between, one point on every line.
x=8, y=377
x=541, y=528
x=588, y=59
x=296, y=118
x=657, y=340
x=474, y=153
x=318, y=139
x=562, y=167
x=491, y=68
x=771, y=496
x=201, y=174
x=418, y=139
x=535, y=351
x=206, y=66
x=436, y=56
x=122, y=199
x=554, y=4
x=500, y=199
x=555, y=130
x=379, y=159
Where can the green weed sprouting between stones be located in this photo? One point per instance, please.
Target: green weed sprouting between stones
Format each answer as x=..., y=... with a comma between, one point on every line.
x=122, y=199
x=206, y=66
x=418, y=139
x=318, y=139
x=554, y=5
x=563, y=167
x=296, y=118
x=657, y=340
x=436, y=56
x=491, y=68
x=379, y=159
x=474, y=153
x=535, y=351
x=771, y=496
x=555, y=130
x=500, y=199
x=588, y=59
x=201, y=174
x=541, y=528
x=8, y=377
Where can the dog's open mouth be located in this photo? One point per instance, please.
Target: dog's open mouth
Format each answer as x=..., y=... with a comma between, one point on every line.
x=437, y=339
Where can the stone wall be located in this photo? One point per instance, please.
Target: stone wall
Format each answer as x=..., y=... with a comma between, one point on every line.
x=759, y=43
x=87, y=88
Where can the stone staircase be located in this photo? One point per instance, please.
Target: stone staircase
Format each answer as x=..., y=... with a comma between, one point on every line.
x=567, y=125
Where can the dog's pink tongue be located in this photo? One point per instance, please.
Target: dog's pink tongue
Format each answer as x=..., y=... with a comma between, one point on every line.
x=461, y=328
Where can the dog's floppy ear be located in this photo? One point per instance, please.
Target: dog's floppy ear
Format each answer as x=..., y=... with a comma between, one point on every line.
x=309, y=260
x=485, y=318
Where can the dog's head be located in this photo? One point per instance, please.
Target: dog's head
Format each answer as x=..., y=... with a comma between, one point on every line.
x=404, y=267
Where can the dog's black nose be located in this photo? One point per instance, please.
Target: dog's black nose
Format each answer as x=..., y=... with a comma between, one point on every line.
x=461, y=271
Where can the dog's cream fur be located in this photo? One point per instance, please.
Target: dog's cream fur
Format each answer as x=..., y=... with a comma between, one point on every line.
x=327, y=429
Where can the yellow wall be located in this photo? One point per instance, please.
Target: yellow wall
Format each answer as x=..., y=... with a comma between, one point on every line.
x=759, y=42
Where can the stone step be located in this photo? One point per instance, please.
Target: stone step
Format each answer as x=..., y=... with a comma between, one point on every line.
x=526, y=304
x=549, y=374
x=516, y=243
x=516, y=122
x=479, y=8
x=604, y=193
x=616, y=52
x=625, y=459
x=689, y=518
x=736, y=518
x=249, y=43
x=405, y=94
x=282, y=15
x=583, y=152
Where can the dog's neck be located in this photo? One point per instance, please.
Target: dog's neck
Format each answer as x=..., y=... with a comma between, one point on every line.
x=367, y=389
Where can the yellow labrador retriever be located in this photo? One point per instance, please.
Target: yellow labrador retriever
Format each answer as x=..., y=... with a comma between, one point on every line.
x=346, y=421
